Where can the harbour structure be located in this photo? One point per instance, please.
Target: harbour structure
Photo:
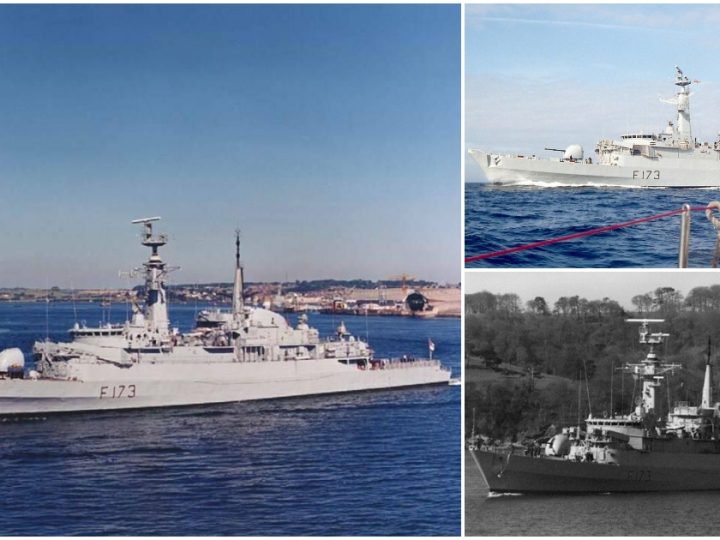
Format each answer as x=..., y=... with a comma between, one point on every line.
x=414, y=304
x=247, y=353
x=670, y=158
x=638, y=451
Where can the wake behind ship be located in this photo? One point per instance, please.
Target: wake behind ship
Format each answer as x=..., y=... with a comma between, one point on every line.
x=248, y=353
x=635, y=452
x=670, y=158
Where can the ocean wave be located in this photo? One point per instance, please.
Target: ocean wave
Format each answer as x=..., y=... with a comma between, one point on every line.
x=491, y=224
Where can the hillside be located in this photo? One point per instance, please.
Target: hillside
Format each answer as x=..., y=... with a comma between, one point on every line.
x=577, y=340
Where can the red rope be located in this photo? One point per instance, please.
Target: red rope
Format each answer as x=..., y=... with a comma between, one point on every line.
x=582, y=234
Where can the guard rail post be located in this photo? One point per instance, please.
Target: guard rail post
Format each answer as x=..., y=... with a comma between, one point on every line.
x=684, y=237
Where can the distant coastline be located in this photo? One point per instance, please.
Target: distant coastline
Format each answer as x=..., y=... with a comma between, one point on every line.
x=320, y=292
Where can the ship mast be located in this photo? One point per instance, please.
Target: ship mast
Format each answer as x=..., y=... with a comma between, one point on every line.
x=239, y=279
x=683, y=130
x=156, y=313
x=650, y=371
x=706, y=402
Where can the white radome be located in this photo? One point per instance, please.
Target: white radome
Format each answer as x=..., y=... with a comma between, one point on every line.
x=11, y=360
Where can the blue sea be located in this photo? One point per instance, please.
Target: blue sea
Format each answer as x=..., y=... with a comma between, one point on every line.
x=498, y=217
x=372, y=463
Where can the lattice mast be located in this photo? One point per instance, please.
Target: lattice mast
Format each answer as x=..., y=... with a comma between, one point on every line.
x=238, y=282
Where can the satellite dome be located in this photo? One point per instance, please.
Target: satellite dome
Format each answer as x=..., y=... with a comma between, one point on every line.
x=574, y=152
x=11, y=360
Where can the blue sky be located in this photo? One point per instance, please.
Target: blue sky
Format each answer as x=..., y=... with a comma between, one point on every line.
x=553, y=75
x=329, y=134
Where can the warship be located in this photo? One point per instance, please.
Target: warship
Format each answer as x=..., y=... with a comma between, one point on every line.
x=245, y=353
x=639, y=451
x=670, y=158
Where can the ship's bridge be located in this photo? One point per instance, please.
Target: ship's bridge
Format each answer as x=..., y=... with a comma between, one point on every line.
x=265, y=318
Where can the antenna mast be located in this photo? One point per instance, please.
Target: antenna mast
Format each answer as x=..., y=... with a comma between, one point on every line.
x=155, y=272
x=650, y=371
x=238, y=283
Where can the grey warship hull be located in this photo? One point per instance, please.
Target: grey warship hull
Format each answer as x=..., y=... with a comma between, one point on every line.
x=672, y=157
x=248, y=353
x=642, y=472
x=147, y=385
x=635, y=452
x=629, y=171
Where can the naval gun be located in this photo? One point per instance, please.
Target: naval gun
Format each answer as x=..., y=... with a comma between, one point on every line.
x=572, y=153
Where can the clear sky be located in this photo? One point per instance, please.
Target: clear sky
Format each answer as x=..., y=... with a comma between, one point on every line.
x=329, y=134
x=552, y=75
x=618, y=285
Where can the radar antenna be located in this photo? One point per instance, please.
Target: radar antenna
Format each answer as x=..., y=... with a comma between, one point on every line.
x=148, y=239
x=681, y=79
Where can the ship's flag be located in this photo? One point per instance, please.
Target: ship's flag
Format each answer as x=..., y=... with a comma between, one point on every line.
x=431, y=345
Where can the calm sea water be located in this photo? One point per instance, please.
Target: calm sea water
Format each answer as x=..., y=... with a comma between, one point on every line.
x=373, y=463
x=617, y=514
x=498, y=217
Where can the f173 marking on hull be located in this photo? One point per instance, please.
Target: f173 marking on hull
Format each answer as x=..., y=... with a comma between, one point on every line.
x=639, y=475
x=646, y=175
x=117, y=391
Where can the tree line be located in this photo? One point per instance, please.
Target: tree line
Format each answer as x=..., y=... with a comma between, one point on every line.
x=582, y=343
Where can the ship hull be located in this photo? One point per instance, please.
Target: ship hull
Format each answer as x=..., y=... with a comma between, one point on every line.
x=642, y=472
x=635, y=171
x=149, y=386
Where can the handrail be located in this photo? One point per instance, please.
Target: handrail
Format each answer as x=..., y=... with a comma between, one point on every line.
x=684, y=237
x=686, y=209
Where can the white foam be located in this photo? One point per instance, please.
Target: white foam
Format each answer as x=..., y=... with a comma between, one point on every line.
x=494, y=495
x=547, y=184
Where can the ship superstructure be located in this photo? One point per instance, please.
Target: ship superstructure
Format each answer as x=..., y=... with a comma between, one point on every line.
x=638, y=451
x=669, y=158
x=246, y=353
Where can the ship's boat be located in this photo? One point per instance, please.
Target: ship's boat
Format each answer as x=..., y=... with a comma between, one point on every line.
x=246, y=353
x=638, y=451
x=670, y=158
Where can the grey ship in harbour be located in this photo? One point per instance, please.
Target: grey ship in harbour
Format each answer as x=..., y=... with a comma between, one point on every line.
x=670, y=158
x=247, y=353
x=634, y=452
